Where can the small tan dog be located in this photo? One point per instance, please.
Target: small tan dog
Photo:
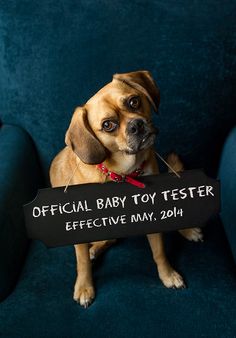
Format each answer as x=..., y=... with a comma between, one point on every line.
x=114, y=127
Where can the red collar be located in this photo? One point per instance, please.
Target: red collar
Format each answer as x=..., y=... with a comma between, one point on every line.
x=126, y=178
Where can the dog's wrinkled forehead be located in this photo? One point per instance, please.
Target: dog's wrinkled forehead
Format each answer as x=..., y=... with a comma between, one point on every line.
x=112, y=93
x=124, y=85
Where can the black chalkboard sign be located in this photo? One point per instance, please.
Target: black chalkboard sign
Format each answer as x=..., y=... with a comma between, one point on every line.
x=93, y=212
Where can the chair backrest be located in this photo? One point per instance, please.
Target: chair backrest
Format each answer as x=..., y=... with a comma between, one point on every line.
x=55, y=54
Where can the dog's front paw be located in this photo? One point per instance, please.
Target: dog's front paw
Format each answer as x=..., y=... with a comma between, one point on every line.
x=84, y=295
x=173, y=280
x=193, y=234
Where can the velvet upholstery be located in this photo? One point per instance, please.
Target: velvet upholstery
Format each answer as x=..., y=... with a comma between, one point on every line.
x=54, y=55
x=130, y=301
x=20, y=177
x=227, y=176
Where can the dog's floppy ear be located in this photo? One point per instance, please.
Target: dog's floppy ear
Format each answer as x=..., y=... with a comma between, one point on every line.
x=144, y=82
x=82, y=140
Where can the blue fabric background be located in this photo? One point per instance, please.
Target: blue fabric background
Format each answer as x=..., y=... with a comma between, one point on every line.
x=54, y=55
x=227, y=175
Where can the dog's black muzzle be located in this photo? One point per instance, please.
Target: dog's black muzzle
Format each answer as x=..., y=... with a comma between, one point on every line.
x=140, y=135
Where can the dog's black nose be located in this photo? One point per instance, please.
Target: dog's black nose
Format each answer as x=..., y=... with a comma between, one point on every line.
x=136, y=127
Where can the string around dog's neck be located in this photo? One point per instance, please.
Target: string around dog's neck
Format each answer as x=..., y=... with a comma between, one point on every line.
x=127, y=178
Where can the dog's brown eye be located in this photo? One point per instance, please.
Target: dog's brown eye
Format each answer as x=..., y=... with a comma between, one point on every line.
x=109, y=125
x=134, y=102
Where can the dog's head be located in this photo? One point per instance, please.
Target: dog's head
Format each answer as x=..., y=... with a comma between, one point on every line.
x=117, y=118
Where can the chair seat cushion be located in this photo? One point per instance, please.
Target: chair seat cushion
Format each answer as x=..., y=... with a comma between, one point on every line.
x=130, y=299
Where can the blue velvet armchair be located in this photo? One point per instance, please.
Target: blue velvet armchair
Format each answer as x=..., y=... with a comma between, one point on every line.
x=53, y=56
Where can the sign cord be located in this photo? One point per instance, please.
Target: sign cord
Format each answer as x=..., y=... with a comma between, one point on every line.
x=158, y=155
x=167, y=164
x=68, y=183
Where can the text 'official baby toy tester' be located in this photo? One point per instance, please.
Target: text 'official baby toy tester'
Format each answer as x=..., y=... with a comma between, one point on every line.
x=92, y=212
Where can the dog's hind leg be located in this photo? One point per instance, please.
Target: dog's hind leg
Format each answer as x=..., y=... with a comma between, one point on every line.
x=191, y=234
x=174, y=161
x=98, y=247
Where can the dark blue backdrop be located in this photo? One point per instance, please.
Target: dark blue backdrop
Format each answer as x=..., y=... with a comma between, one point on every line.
x=56, y=54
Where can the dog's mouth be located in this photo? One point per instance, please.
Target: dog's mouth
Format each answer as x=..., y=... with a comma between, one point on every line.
x=142, y=144
x=147, y=141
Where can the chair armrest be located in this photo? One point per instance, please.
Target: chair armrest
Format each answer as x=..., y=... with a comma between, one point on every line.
x=19, y=181
x=227, y=175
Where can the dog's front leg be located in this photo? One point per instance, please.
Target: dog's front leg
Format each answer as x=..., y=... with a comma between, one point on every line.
x=169, y=277
x=84, y=290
